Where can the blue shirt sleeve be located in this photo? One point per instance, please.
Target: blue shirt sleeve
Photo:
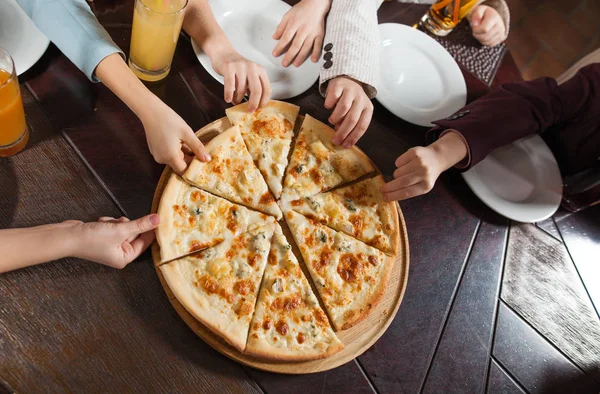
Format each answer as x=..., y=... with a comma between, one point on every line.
x=73, y=28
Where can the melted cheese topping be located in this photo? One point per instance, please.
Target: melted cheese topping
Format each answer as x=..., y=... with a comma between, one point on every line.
x=202, y=220
x=357, y=210
x=232, y=174
x=346, y=271
x=268, y=135
x=288, y=315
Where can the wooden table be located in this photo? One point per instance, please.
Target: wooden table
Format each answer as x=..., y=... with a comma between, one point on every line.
x=474, y=318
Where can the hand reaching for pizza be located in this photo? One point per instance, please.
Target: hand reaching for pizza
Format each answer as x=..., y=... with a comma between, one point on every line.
x=170, y=138
x=352, y=113
x=301, y=32
x=487, y=25
x=242, y=77
x=113, y=242
x=419, y=168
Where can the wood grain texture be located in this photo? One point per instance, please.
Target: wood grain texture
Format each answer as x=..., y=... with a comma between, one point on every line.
x=461, y=360
x=75, y=326
x=356, y=339
x=533, y=361
x=500, y=382
x=541, y=284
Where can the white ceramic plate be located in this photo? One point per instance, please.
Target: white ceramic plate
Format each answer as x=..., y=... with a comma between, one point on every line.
x=520, y=181
x=419, y=80
x=19, y=36
x=249, y=25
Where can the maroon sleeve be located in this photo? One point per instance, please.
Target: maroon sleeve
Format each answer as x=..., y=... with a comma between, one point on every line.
x=515, y=110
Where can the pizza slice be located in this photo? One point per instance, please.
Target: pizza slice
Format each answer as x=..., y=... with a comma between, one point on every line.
x=288, y=323
x=318, y=165
x=192, y=219
x=232, y=174
x=358, y=210
x=350, y=276
x=268, y=134
x=219, y=286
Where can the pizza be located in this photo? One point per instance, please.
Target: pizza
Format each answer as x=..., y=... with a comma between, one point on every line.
x=350, y=275
x=232, y=174
x=228, y=262
x=358, y=210
x=317, y=165
x=268, y=134
x=192, y=219
x=288, y=323
x=219, y=285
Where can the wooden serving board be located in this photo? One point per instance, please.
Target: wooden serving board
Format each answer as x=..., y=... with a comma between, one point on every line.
x=356, y=340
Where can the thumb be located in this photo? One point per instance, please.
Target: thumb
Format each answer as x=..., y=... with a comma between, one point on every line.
x=477, y=16
x=141, y=225
x=197, y=147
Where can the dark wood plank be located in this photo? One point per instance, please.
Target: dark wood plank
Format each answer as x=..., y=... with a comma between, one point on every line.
x=542, y=285
x=581, y=234
x=461, y=360
x=549, y=227
x=500, y=382
x=74, y=326
x=533, y=361
x=344, y=379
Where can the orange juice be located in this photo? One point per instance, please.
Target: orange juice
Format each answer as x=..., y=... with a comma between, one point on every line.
x=13, y=129
x=154, y=34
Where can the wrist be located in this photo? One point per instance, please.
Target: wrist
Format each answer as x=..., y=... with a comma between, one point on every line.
x=450, y=149
x=216, y=45
x=319, y=5
x=68, y=238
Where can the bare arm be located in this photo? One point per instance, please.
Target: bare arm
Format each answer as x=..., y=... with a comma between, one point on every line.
x=112, y=242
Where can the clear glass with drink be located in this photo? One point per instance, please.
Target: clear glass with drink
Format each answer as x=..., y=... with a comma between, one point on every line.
x=443, y=16
x=155, y=31
x=14, y=133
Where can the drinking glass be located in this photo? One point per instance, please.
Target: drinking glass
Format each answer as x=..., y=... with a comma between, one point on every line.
x=155, y=31
x=14, y=133
x=444, y=15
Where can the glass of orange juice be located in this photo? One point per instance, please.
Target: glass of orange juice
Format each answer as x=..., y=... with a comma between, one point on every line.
x=155, y=30
x=14, y=133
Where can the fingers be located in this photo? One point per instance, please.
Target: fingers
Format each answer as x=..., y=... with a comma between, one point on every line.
x=240, y=87
x=360, y=128
x=186, y=150
x=402, y=182
x=229, y=84
x=297, y=43
x=177, y=163
x=406, y=193
x=138, y=245
x=255, y=91
x=196, y=146
x=266, y=88
x=304, y=52
x=341, y=108
x=348, y=124
x=106, y=219
x=486, y=24
x=477, y=16
x=334, y=92
x=141, y=225
x=280, y=29
x=316, y=51
x=283, y=42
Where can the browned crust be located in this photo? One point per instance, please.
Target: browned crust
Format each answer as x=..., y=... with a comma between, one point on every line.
x=273, y=354
x=376, y=297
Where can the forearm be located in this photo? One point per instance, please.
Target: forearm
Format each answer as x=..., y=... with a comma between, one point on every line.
x=201, y=25
x=116, y=75
x=23, y=247
x=73, y=28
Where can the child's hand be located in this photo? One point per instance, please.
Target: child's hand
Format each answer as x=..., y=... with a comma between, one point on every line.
x=419, y=168
x=302, y=29
x=352, y=113
x=487, y=25
x=169, y=136
x=242, y=76
x=112, y=242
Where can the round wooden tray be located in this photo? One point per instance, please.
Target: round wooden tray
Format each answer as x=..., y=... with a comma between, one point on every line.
x=356, y=339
